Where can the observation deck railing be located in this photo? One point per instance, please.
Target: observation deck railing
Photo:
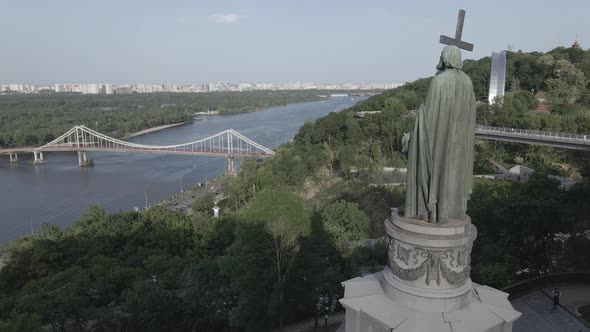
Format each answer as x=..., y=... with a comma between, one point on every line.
x=539, y=133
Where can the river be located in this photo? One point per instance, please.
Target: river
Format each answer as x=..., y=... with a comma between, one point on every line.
x=60, y=191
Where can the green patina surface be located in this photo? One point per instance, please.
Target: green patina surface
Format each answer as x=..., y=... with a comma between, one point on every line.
x=440, y=161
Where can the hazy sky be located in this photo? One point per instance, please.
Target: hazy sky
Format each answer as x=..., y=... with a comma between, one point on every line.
x=265, y=40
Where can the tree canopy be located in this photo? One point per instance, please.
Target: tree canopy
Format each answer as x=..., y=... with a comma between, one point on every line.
x=27, y=120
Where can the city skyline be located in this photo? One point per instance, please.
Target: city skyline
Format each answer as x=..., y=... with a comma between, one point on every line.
x=262, y=41
x=109, y=88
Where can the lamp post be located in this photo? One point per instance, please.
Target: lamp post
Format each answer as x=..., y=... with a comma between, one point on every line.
x=181, y=191
x=324, y=307
x=146, y=196
x=318, y=306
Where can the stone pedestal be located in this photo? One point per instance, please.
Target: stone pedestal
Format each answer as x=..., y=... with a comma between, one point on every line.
x=426, y=285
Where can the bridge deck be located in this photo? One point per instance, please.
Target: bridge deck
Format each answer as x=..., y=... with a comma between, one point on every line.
x=552, y=139
x=535, y=137
x=139, y=150
x=84, y=139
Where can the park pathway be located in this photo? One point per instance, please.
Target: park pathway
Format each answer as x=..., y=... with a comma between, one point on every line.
x=536, y=309
x=538, y=315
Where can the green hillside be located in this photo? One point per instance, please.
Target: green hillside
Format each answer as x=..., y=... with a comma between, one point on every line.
x=559, y=76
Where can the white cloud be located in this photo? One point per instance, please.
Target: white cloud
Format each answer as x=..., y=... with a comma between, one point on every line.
x=224, y=18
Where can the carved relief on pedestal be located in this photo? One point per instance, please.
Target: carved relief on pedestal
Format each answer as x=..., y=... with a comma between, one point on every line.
x=410, y=262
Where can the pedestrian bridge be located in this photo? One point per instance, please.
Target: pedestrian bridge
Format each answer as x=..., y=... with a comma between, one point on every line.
x=230, y=143
x=535, y=137
x=82, y=139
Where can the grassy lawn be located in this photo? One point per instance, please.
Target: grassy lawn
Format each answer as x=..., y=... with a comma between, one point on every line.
x=585, y=311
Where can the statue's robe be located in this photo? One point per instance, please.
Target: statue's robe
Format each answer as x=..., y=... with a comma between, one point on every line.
x=440, y=161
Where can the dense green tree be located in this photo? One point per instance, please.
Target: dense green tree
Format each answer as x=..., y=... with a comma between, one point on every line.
x=245, y=185
x=525, y=67
x=27, y=120
x=346, y=223
x=209, y=294
x=205, y=203
x=62, y=299
x=516, y=222
x=271, y=205
x=479, y=72
x=149, y=307
x=566, y=83
x=253, y=278
x=283, y=246
x=283, y=217
x=286, y=169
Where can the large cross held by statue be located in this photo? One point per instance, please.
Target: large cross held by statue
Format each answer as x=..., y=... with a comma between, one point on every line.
x=457, y=41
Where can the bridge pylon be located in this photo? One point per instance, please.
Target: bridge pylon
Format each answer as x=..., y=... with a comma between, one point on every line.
x=38, y=158
x=13, y=157
x=82, y=160
x=230, y=163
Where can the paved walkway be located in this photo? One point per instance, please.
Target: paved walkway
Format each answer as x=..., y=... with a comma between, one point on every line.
x=538, y=315
x=536, y=309
x=572, y=296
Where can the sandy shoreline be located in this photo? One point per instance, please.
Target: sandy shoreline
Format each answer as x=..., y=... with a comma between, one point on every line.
x=151, y=130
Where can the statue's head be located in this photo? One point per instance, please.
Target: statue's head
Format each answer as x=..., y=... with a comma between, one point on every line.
x=450, y=58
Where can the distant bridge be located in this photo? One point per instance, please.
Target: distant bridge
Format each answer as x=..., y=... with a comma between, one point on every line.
x=230, y=143
x=535, y=137
x=82, y=139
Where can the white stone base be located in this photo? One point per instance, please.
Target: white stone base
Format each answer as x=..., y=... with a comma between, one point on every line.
x=426, y=286
x=372, y=306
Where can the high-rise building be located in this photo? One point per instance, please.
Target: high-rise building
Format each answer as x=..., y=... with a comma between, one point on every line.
x=123, y=90
x=15, y=87
x=497, y=77
x=91, y=88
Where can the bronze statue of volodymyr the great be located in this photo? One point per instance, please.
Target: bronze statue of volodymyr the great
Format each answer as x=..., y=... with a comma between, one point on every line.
x=440, y=160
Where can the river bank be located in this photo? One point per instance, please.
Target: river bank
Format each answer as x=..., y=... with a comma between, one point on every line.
x=260, y=108
x=209, y=113
x=60, y=192
x=154, y=129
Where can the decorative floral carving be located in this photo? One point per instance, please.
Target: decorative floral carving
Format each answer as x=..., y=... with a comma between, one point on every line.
x=403, y=254
x=407, y=274
x=430, y=262
x=461, y=257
